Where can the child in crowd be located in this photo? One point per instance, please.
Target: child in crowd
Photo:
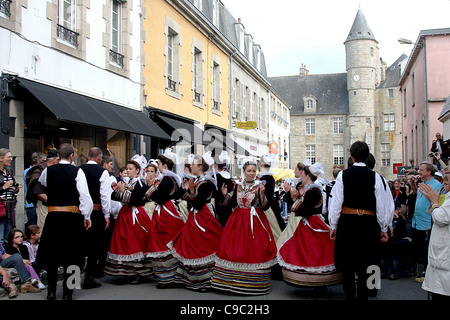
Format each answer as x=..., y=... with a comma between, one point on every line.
x=15, y=245
x=32, y=237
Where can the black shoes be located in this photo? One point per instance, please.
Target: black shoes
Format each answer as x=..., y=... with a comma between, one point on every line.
x=136, y=280
x=67, y=295
x=90, y=283
x=51, y=296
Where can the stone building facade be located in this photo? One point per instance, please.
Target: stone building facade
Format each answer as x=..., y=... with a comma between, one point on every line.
x=331, y=111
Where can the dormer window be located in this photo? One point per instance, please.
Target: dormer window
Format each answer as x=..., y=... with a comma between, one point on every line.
x=198, y=4
x=310, y=103
x=215, y=12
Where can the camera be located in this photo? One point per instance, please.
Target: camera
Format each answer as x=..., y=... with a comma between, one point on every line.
x=431, y=154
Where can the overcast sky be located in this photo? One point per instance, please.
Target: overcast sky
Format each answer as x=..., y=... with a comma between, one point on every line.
x=312, y=32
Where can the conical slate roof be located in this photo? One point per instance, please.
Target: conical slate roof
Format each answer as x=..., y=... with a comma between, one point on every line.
x=360, y=29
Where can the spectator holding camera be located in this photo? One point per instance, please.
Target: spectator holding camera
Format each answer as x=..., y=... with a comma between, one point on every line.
x=439, y=150
x=421, y=221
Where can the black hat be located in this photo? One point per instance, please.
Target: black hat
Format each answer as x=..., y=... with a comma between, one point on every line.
x=52, y=153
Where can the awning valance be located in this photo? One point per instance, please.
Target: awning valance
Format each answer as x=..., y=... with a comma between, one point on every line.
x=73, y=107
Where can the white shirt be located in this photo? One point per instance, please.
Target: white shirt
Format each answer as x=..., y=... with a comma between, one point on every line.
x=105, y=194
x=115, y=205
x=384, y=202
x=86, y=205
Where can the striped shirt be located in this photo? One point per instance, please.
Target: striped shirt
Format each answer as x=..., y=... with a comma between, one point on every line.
x=8, y=194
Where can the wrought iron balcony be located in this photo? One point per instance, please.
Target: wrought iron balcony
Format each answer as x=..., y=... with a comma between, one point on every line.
x=197, y=96
x=172, y=85
x=67, y=35
x=116, y=57
x=5, y=7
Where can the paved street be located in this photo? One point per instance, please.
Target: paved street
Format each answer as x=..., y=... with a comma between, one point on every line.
x=115, y=288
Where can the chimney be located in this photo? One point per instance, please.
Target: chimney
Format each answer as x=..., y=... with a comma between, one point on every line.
x=303, y=70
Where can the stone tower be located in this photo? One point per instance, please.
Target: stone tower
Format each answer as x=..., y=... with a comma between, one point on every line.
x=363, y=76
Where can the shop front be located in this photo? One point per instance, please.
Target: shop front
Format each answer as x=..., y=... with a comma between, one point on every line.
x=53, y=116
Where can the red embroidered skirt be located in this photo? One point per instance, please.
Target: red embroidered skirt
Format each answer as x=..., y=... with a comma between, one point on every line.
x=164, y=226
x=307, y=258
x=130, y=238
x=247, y=240
x=198, y=241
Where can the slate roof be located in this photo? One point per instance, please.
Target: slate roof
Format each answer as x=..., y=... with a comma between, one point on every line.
x=393, y=73
x=360, y=29
x=227, y=27
x=445, y=109
x=330, y=90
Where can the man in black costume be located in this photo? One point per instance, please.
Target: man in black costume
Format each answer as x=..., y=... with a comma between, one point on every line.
x=359, y=218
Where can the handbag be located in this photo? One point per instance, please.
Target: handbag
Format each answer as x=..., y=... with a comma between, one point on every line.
x=2, y=209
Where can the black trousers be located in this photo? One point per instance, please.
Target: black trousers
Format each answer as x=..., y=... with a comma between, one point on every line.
x=52, y=278
x=420, y=246
x=357, y=247
x=94, y=241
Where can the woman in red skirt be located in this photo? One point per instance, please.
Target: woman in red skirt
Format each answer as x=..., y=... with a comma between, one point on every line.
x=130, y=239
x=247, y=249
x=196, y=244
x=166, y=220
x=307, y=258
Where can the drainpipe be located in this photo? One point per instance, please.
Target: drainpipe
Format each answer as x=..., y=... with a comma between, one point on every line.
x=427, y=110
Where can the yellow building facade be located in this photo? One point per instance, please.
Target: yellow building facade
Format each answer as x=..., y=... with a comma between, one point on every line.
x=186, y=72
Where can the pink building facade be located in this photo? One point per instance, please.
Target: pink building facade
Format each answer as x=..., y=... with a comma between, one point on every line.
x=425, y=87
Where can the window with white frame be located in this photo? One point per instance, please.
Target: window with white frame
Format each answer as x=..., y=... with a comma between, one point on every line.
x=66, y=27
x=234, y=97
x=264, y=119
x=338, y=125
x=311, y=153
x=310, y=126
x=338, y=154
x=310, y=103
x=170, y=62
x=115, y=53
x=197, y=69
x=258, y=111
x=216, y=86
x=243, y=101
x=172, y=49
x=386, y=154
x=252, y=105
x=389, y=122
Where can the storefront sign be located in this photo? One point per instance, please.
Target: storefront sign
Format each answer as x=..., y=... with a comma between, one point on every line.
x=273, y=147
x=247, y=125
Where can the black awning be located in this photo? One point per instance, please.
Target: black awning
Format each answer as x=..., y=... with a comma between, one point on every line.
x=72, y=107
x=220, y=136
x=178, y=128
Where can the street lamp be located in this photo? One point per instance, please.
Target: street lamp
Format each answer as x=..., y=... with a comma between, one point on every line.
x=405, y=41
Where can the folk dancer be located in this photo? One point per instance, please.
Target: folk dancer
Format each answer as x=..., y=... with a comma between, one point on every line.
x=307, y=258
x=196, y=244
x=247, y=249
x=69, y=211
x=99, y=184
x=166, y=219
x=130, y=240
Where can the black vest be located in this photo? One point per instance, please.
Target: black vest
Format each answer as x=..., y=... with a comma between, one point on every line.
x=93, y=173
x=359, y=188
x=61, y=185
